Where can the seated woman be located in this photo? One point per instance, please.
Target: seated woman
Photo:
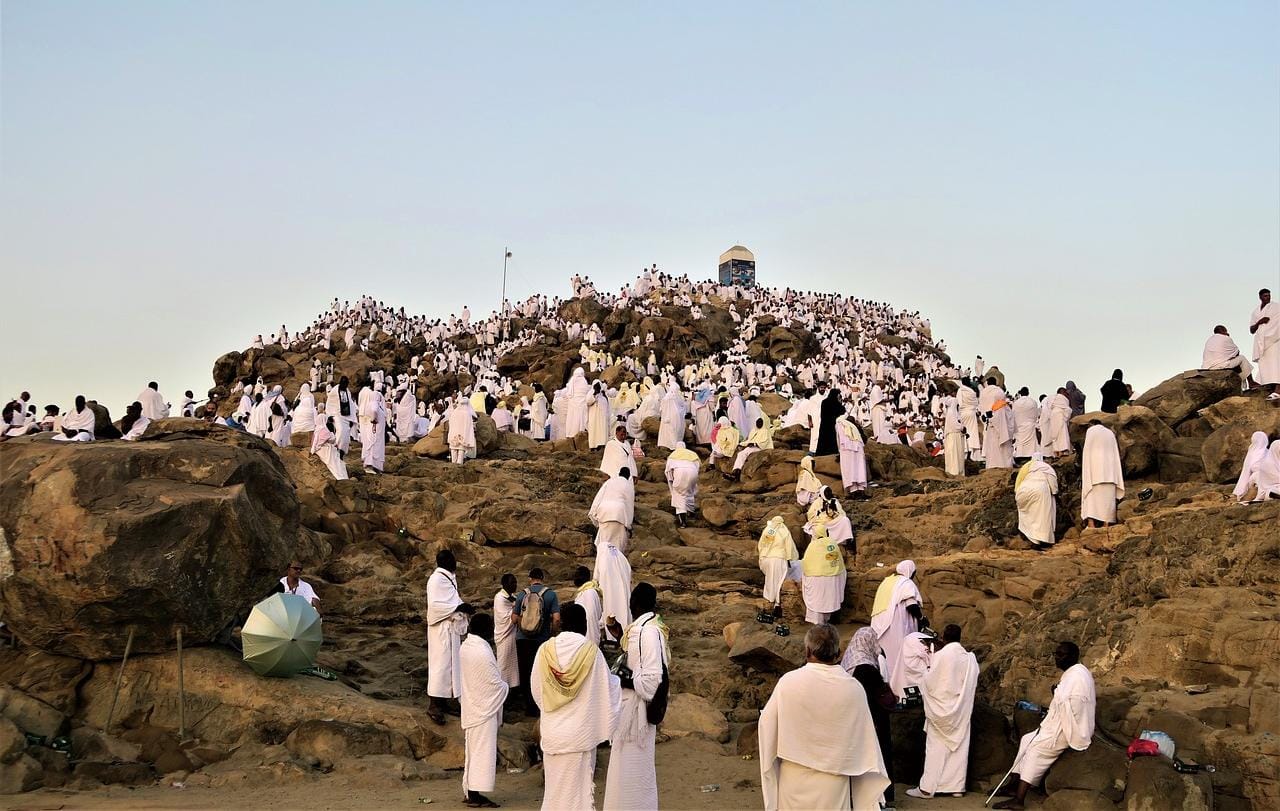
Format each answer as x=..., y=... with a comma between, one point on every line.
x=826, y=512
x=807, y=485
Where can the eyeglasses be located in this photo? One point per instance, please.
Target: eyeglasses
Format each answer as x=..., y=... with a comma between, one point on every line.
x=295, y=568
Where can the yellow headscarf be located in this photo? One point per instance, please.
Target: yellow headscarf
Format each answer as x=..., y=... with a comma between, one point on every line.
x=561, y=684
x=776, y=541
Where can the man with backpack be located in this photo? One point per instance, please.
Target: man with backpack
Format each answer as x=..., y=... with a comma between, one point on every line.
x=633, y=778
x=537, y=617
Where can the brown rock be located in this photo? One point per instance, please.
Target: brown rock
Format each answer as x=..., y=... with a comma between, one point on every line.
x=31, y=715
x=766, y=651
x=124, y=774
x=125, y=534
x=332, y=741
x=689, y=714
x=1181, y=396
x=1077, y=799
x=1098, y=769
x=12, y=741
x=1223, y=451
x=1154, y=784
x=22, y=774
x=1140, y=435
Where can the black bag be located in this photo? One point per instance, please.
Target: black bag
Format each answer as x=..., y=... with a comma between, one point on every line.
x=656, y=708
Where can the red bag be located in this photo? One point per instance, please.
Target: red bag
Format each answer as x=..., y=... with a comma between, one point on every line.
x=1143, y=748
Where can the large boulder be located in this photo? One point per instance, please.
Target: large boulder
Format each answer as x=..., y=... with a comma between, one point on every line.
x=1234, y=421
x=189, y=527
x=1140, y=434
x=436, y=444
x=1181, y=396
x=1154, y=784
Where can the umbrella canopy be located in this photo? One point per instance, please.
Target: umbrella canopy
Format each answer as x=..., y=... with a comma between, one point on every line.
x=281, y=636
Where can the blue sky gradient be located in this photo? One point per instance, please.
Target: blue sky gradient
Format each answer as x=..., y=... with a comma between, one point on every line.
x=1062, y=188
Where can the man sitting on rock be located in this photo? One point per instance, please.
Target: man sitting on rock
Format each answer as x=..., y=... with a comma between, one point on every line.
x=77, y=424
x=292, y=583
x=1069, y=723
x=1221, y=352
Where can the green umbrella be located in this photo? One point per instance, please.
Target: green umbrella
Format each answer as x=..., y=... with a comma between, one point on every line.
x=281, y=636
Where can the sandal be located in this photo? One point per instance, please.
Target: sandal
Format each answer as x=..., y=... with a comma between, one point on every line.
x=781, y=630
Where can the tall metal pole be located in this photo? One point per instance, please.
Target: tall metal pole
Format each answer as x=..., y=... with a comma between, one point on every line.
x=506, y=254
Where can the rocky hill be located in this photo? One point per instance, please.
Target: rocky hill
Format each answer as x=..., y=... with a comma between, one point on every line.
x=1175, y=608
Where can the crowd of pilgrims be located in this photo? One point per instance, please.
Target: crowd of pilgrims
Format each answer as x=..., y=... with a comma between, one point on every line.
x=904, y=391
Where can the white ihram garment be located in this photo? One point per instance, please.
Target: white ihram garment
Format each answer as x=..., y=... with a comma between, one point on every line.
x=1037, y=509
x=948, y=691
x=893, y=624
x=682, y=481
x=445, y=627
x=632, y=782
x=1266, y=343
x=504, y=637
x=483, y=691
x=1069, y=723
x=1101, y=475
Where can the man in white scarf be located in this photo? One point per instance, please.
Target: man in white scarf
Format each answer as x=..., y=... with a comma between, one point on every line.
x=1034, y=492
x=617, y=453
x=407, y=416
x=632, y=782
x=948, y=691
x=967, y=402
x=1068, y=723
x=483, y=691
x=446, y=625
x=153, y=405
x=580, y=702
x=953, y=441
x=504, y=630
x=818, y=746
x=1057, y=440
x=895, y=614
x=1221, y=352
x=997, y=438
x=1264, y=325
x=682, y=468
x=1101, y=476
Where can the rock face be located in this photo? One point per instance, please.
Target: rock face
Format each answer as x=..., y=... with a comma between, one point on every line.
x=1181, y=396
x=1140, y=434
x=189, y=527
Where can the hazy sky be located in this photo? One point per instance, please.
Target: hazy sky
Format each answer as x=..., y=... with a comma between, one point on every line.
x=1063, y=188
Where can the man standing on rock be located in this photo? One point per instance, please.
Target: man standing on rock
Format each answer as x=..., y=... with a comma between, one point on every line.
x=580, y=701
x=633, y=779
x=1069, y=723
x=617, y=452
x=818, y=746
x=948, y=690
x=1101, y=476
x=1264, y=325
x=446, y=625
x=612, y=512
x=483, y=691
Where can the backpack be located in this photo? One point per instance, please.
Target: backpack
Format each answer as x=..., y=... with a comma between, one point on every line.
x=655, y=710
x=531, y=612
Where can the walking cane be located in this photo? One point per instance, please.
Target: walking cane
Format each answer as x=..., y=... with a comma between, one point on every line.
x=1016, y=761
x=182, y=694
x=128, y=645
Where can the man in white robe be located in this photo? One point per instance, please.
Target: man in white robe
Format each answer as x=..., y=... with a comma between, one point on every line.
x=461, y=418
x=303, y=416
x=632, y=782
x=483, y=692
x=1264, y=325
x=578, y=398
x=818, y=746
x=78, y=423
x=612, y=512
x=1034, y=492
x=948, y=692
x=853, y=460
x=339, y=406
x=446, y=624
x=1101, y=476
x=598, y=418
x=1068, y=724
x=406, y=417
x=589, y=596
x=953, y=441
x=672, y=412
x=580, y=702
x=997, y=438
x=153, y=405
x=324, y=447
x=504, y=630
x=373, y=428
x=681, y=471
x=896, y=613
x=617, y=453
x=1026, y=417
x=777, y=555
x=1221, y=352
x=967, y=402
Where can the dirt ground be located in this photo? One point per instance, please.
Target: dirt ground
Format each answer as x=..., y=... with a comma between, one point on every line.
x=685, y=767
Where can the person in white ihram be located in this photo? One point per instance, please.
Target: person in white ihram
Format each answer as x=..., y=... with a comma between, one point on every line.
x=947, y=691
x=446, y=624
x=294, y=584
x=632, y=782
x=818, y=746
x=1068, y=724
x=895, y=614
x=1264, y=325
x=1221, y=352
x=1101, y=476
x=153, y=405
x=483, y=691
